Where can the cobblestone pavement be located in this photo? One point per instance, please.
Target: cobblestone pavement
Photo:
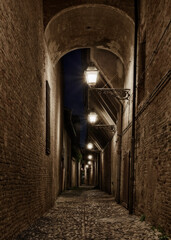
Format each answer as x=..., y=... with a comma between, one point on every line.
x=88, y=214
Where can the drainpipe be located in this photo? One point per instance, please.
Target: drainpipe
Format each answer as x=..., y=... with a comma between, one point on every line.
x=131, y=189
x=119, y=154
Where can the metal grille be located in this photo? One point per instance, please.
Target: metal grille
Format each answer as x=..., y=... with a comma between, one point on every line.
x=47, y=118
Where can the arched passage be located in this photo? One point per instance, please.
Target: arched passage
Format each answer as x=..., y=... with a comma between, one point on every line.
x=90, y=25
x=109, y=32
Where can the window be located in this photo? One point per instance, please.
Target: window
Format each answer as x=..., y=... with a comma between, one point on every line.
x=47, y=118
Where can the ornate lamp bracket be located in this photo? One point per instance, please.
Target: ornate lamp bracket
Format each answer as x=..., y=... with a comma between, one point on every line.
x=108, y=127
x=120, y=93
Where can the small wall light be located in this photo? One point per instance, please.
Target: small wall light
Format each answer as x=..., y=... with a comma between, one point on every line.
x=90, y=146
x=90, y=156
x=92, y=117
x=89, y=162
x=91, y=75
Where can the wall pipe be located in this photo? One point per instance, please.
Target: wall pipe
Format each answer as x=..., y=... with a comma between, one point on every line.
x=119, y=154
x=131, y=184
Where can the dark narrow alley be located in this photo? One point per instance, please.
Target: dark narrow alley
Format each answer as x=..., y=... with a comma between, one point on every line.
x=85, y=101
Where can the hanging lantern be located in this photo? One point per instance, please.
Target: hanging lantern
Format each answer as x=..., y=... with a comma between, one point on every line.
x=91, y=75
x=92, y=117
x=90, y=146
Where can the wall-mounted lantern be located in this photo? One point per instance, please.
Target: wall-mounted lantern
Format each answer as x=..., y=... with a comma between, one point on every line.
x=92, y=117
x=91, y=75
x=90, y=146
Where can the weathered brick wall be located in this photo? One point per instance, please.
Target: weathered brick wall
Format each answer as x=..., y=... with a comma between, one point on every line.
x=155, y=21
x=29, y=179
x=153, y=166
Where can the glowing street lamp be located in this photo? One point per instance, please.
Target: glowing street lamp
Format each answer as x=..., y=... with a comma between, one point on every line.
x=89, y=162
x=90, y=157
x=91, y=75
x=90, y=146
x=92, y=117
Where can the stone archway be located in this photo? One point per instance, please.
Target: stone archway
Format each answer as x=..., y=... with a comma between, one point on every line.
x=90, y=25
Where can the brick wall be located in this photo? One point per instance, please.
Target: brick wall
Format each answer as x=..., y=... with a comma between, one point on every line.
x=29, y=179
x=153, y=162
x=153, y=167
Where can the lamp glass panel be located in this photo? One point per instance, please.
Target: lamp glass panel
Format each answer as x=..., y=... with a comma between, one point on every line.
x=89, y=145
x=91, y=77
x=92, y=117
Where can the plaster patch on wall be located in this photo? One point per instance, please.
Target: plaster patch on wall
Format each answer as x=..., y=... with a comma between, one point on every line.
x=55, y=53
x=119, y=69
x=114, y=45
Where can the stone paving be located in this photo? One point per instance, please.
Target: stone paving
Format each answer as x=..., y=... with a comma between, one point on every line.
x=88, y=214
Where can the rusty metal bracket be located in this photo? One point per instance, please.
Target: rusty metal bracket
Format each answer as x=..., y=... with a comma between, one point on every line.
x=108, y=127
x=120, y=93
